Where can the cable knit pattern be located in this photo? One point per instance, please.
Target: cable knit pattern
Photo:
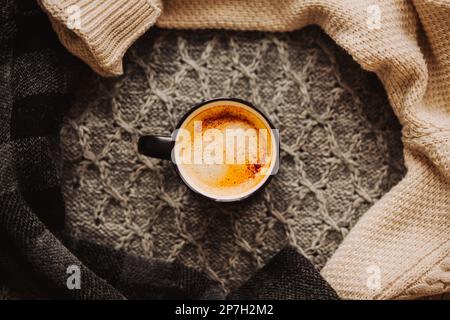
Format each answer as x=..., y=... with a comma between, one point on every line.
x=120, y=198
x=435, y=281
x=407, y=232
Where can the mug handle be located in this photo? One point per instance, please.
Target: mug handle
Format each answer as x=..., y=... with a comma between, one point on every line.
x=156, y=146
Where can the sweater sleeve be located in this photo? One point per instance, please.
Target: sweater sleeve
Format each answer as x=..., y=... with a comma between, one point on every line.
x=100, y=31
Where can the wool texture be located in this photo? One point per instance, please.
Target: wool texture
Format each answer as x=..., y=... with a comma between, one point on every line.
x=36, y=250
x=405, y=236
x=115, y=196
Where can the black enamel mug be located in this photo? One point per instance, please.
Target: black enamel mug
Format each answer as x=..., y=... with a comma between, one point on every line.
x=223, y=149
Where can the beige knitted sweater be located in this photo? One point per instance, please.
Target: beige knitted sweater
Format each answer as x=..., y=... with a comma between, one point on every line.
x=401, y=246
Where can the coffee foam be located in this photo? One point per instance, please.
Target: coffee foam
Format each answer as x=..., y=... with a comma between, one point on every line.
x=228, y=181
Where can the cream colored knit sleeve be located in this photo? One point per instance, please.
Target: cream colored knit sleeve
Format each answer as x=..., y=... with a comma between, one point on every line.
x=100, y=31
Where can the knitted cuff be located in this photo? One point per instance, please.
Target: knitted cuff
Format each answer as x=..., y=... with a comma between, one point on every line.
x=399, y=249
x=100, y=31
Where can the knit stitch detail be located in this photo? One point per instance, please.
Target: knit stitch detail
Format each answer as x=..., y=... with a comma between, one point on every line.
x=409, y=53
x=434, y=282
x=323, y=104
x=106, y=28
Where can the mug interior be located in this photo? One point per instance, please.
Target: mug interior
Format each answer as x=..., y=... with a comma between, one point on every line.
x=194, y=112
